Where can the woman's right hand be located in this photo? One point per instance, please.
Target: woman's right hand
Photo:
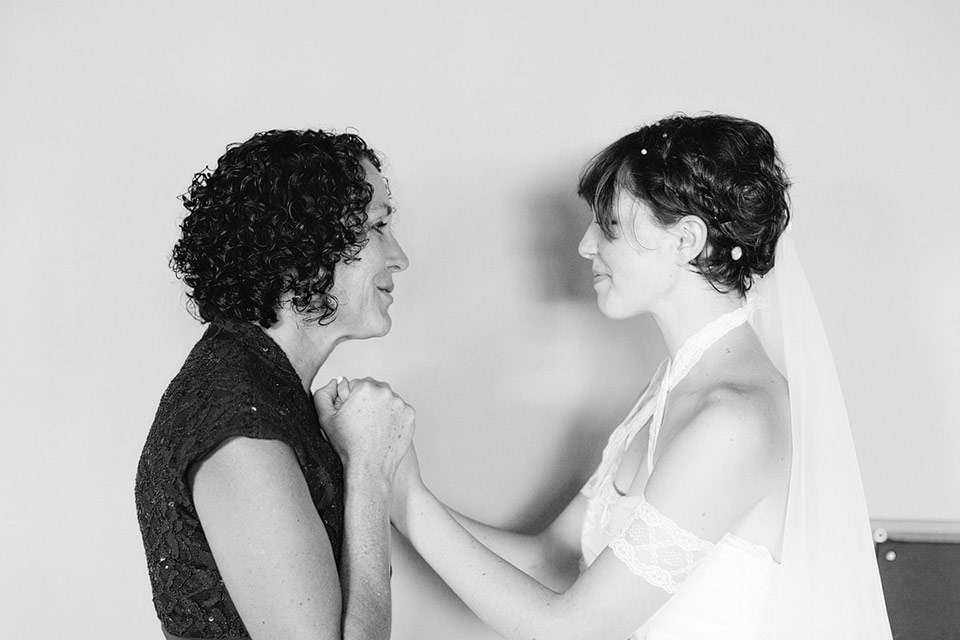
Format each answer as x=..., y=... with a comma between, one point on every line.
x=369, y=426
x=407, y=481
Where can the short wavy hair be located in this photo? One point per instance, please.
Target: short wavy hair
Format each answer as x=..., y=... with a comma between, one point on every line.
x=273, y=218
x=722, y=169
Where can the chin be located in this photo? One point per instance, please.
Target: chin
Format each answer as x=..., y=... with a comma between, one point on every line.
x=608, y=310
x=379, y=331
x=614, y=312
x=615, y=315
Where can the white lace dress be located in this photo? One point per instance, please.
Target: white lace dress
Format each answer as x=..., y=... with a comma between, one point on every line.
x=731, y=591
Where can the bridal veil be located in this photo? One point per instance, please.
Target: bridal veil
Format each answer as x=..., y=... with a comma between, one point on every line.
x=829, y=576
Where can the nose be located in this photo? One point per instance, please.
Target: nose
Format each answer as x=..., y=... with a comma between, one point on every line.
x=398, y=260
x=588, y=243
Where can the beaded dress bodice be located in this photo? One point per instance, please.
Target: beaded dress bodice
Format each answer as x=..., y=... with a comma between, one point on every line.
x=236, y=382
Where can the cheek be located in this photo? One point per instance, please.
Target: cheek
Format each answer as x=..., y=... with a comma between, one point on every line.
x=348, y=284
x=625, y=262
x=636, y=276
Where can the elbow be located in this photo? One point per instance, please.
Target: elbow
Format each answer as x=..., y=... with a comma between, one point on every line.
x=555, y=552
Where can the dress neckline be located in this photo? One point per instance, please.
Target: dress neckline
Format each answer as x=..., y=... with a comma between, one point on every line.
x=255, y=341
x=649, y=408
x=648, y=412
x=693, y=348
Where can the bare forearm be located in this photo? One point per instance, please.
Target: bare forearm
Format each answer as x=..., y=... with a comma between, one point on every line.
x=365, y=559
x=507, y=599
x=538, y=555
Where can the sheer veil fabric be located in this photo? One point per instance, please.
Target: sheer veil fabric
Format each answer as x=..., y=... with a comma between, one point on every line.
x=830, y=584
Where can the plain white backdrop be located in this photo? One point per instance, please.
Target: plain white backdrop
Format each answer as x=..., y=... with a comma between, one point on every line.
x=485, y=113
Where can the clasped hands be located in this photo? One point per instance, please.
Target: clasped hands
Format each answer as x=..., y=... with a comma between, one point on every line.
x=371, y=429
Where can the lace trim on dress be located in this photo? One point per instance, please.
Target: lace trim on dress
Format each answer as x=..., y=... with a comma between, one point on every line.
x=620, y=438
x=657, y=549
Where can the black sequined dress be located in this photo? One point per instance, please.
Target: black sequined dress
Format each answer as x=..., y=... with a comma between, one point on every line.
x=235, y=382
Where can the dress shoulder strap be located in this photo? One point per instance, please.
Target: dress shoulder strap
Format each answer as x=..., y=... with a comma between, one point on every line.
x=686, y=358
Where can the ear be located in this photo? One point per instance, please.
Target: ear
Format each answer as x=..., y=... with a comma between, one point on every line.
x=690, y=233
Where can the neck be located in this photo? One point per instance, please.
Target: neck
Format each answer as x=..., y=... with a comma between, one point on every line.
x=690, y=310
x=306, y=344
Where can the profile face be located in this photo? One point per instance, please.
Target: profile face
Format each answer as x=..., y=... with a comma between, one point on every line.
x=632, y=271
x=364, y=287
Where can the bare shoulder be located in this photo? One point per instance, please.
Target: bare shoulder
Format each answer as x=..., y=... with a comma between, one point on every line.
x=751, y=413
x=746, y=415
x=743, y=418
x=730, y=450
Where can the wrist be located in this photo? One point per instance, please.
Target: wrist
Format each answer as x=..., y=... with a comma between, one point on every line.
x=370, y=476
x=408, y=502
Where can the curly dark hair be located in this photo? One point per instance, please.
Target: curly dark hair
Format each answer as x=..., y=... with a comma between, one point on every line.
x=274, y=216
x=722, y=169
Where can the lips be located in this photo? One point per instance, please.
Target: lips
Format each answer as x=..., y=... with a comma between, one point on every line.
x=599, y=276
x=387, y=291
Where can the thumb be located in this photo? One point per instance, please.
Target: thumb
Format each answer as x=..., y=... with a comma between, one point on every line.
x=325, y=398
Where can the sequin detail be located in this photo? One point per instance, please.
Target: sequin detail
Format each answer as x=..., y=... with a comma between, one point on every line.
x=235, y=382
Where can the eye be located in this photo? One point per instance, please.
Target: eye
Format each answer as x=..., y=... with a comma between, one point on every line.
x=380, y=226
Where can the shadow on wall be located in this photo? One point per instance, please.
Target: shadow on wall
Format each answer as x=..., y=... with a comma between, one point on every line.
x=559, y=219
x=620, y=355
x=578, y=454
x=591, y=371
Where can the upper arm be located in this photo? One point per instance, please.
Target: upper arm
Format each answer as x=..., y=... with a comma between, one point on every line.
x=708, y=477
x=564, y=532
x=268, y=540
x=720, y=465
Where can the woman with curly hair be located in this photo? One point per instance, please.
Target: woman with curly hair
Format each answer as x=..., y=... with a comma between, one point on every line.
x=728, y=504
x=257, y=524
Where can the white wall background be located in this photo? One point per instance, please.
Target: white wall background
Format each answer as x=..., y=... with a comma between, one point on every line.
x=485, y=112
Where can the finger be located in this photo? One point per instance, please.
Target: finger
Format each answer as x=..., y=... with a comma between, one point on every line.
x=343, y=388
x=373, y=382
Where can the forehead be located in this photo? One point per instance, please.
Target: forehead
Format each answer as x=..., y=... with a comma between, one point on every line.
x=626, y=206
x=381, y=194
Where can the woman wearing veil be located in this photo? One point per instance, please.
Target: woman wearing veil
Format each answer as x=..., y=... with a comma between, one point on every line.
x=728, y=503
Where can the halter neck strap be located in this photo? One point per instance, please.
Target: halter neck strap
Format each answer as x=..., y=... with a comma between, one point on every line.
x=686, y=358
